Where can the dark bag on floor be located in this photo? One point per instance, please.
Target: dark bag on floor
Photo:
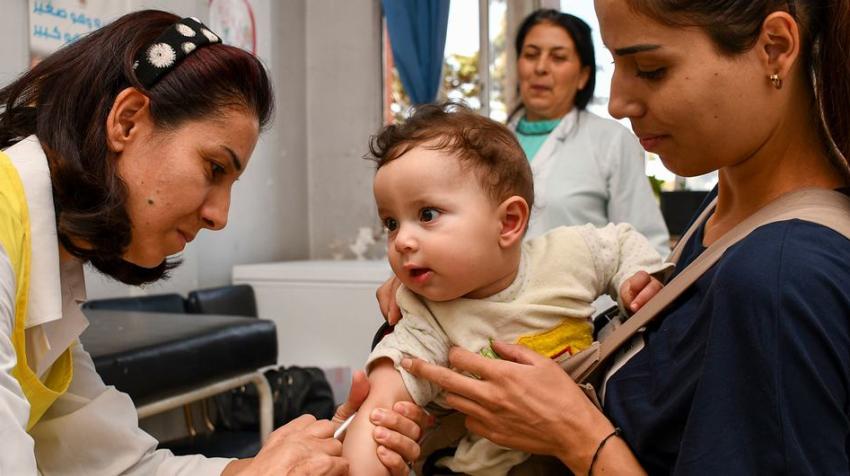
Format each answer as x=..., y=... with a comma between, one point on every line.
x=295, y=391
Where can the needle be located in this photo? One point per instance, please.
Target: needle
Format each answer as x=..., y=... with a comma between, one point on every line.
x=341, y=430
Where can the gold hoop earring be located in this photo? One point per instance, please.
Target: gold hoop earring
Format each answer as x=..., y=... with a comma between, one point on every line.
x=776, y=80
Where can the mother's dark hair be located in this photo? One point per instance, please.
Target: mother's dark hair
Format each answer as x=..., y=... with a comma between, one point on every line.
x=734, y=26
x=65, y=100
x=580, y=33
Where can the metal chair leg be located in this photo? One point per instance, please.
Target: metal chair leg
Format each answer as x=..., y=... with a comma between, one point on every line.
x=187, y=417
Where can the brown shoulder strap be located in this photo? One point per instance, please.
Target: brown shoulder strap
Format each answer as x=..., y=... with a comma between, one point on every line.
x=825, y=207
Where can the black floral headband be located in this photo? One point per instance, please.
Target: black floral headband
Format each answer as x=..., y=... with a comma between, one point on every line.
x=170, y=48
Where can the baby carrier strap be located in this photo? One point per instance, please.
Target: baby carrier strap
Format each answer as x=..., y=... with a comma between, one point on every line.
x=829, y=208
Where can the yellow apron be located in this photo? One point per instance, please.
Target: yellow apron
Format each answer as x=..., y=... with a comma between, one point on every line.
x=15, y=240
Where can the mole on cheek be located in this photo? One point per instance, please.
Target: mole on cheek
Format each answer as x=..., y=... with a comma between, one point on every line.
x=150, y=201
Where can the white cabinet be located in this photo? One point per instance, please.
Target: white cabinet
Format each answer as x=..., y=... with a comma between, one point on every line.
x=325, y=311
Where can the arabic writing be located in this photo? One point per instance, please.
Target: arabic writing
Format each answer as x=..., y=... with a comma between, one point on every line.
x=69, y=27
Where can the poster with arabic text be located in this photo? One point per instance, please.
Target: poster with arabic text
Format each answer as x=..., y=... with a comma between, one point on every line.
x=55, y=23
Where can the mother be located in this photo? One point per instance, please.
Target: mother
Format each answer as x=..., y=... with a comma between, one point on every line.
x=748, y=371
x=117, y=151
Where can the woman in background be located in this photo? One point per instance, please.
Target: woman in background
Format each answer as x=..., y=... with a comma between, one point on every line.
x=586, y=169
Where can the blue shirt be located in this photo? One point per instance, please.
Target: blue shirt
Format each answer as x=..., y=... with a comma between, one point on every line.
x=748, y=372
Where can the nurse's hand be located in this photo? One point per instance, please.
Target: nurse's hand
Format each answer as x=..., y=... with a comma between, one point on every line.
x=305, y=446
x=526, y=402
x=386, y=300
x=396, y=431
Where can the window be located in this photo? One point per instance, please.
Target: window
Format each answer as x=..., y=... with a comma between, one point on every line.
x=461, y=80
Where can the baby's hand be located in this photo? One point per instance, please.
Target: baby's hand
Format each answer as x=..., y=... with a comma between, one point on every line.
x=638, y=290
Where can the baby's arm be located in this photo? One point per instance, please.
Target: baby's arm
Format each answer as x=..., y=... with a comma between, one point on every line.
x=417, y=335
x=619, y=252
x=638, y=290
x=359, y=447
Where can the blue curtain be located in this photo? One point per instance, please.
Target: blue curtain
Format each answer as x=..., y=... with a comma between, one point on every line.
x=417, y=30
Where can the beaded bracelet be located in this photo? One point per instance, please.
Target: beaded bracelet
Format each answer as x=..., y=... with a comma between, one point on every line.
x=617, y=432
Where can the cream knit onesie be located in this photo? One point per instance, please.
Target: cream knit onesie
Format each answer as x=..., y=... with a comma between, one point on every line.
x=548, y=308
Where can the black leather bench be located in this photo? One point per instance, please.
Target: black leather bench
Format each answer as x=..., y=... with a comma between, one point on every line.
x=153, y=355
x=166, y=351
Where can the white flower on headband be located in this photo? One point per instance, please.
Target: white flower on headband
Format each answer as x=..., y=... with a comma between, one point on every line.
x=185, y=30
x=210, y=35
x=161, y=55
x=188, y=47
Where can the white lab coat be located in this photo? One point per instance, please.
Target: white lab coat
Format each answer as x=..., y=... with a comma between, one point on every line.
x=591, y=170
x=92, y=429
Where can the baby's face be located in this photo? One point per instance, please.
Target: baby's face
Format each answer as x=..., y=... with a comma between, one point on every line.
x=443, y=228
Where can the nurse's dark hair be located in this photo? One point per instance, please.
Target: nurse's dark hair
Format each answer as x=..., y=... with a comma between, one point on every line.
x=489, y=148
x=734, y=26
x=580, y=33
x=65, y=100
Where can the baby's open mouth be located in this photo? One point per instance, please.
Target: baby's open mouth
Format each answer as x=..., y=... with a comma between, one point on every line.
x=416, y=272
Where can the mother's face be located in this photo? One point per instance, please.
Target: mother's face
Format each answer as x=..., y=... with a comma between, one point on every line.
x=179, y=181
x=698, y=109
x=550, y=72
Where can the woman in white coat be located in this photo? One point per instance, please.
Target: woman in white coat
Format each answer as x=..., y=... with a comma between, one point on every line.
x=586, y=169
x=117, y=150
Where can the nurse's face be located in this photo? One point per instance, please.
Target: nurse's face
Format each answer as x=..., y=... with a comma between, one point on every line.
x=697, y=109
x=550, y=72
x=179, y=181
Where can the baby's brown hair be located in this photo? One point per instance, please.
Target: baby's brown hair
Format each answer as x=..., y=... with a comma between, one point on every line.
x=489, y=147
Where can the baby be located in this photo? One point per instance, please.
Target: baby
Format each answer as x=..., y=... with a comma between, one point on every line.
x=454, y=191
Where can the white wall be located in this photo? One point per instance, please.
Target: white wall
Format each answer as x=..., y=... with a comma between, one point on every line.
x=343, y=110
x=13, y=35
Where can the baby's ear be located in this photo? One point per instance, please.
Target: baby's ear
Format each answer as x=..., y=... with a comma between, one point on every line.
x=513, y=216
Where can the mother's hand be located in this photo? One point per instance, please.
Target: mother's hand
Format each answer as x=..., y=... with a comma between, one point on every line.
x=526, y=402
x=396, y=431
